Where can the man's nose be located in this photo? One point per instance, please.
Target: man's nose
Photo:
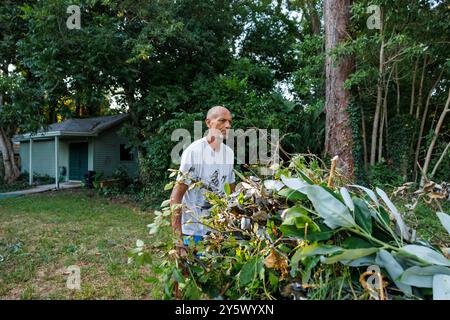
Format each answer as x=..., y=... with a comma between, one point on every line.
x=227, y=125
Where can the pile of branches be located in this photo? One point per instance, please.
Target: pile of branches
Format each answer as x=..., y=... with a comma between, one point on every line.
x=297, y=235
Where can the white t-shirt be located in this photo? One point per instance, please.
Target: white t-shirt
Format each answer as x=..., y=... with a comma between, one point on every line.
x=214, y=168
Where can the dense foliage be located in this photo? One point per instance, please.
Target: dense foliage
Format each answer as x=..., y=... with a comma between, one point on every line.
x=294, y=236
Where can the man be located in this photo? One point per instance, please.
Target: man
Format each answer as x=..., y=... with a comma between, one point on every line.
x=207, y=160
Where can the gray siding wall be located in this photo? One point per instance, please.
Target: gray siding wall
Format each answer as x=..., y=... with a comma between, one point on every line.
x=43, y=157
x=107, y=153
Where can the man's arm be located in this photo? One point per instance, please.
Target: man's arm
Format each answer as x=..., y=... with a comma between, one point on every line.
x=175, y=198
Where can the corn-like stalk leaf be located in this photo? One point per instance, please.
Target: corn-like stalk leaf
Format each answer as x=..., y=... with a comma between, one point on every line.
x=394, y=269
x=427, y=255
x=441, y=287
x=350, y=254
x=334, y=212
x=445, y=220
x=347, y=198
x=422, y=277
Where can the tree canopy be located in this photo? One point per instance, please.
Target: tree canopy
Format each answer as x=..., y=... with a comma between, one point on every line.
x=166, y=62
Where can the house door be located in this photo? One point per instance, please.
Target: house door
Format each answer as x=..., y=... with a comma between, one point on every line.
x=78, y=160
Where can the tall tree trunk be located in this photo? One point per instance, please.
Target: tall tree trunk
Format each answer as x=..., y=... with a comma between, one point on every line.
x=419, y=99
x=419, y=102
x=440, y=160
x=380, y=138
x=338, y=137
x=397, y=82
x=435, y=136
x=12, y=171
x=413, y=88
x=422, y=124
x=314, y=17
x=384, y=117
x=364, y=136
x=376, y=119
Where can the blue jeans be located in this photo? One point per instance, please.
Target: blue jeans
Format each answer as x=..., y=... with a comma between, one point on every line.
x=187, y=239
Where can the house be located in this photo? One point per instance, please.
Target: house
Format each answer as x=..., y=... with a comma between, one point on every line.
x=68, y=150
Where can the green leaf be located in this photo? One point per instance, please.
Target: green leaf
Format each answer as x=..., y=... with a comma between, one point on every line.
x=363, y=261
x=312, y=250
x=273, y=185
x=422, y=277
x=319, y=249
x=294, y=232
x=165, y=203
x=334, y=212
x=291, y=194
x=350, y=254
x=168, y=186
x=363, y=215
x=347, y=199
x=426, y=254
x=192, y=292
x=445, y=220
x=369, y=192
x=227, y=189
x=273, y=279
x=177, y=275
x=295, y=183
x=135, y=251
x=394, y=269
x=299, y=217
x=151, y=280
x=355, y=243
x=248, y=272
x=140, y=259
x=441, y=287
x=305, y=177
x=173, y=174
x=404, y=230
x=384, y=216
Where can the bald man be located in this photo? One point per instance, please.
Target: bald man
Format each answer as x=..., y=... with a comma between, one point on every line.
x=207, y=160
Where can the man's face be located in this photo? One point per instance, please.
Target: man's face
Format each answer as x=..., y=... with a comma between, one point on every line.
x=221, y=123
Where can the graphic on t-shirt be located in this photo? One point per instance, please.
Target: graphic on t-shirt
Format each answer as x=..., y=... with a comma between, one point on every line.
x=214, y=185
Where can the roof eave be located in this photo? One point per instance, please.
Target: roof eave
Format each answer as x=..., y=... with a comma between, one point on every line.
x=43, y=135
x=112, y=124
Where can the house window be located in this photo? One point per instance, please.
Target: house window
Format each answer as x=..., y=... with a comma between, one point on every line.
x=125, y=153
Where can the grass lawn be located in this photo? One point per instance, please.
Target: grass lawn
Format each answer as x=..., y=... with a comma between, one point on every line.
x=41, y=235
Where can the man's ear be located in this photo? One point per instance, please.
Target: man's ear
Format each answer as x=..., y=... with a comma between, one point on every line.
x=208, y=123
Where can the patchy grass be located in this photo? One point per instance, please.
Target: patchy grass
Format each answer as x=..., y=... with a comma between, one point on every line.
x=427, y=224
x=41, y=235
